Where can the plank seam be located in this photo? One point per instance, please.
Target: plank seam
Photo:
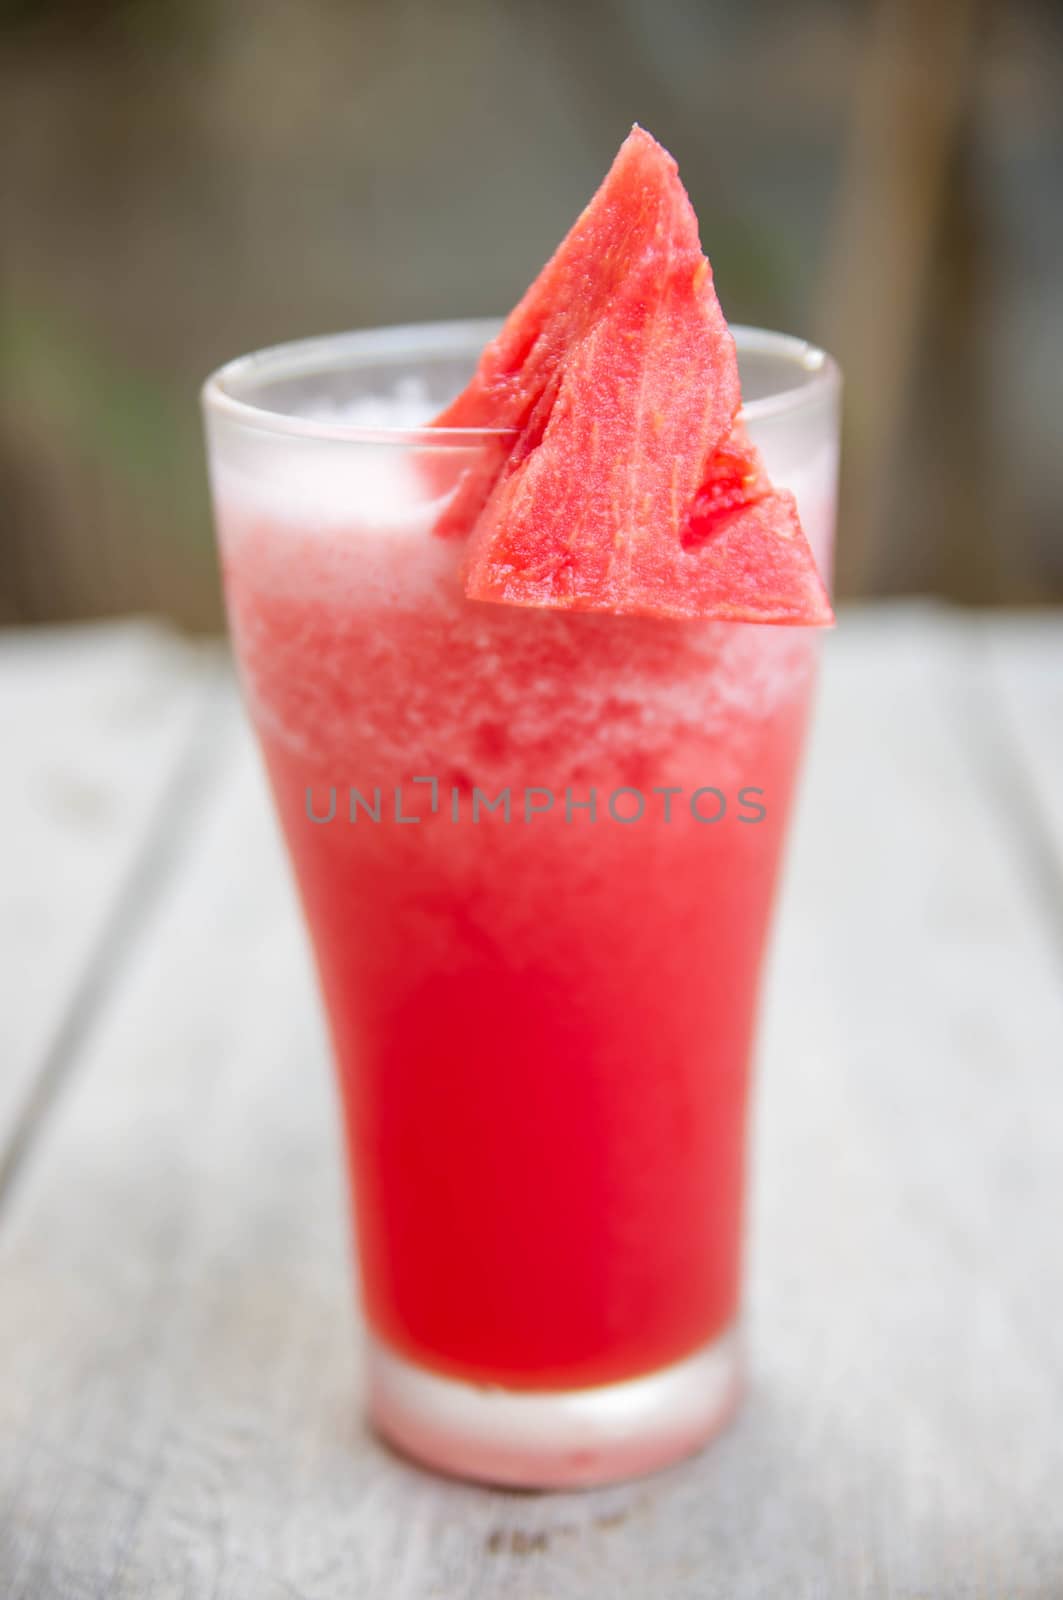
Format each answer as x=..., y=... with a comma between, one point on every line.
x=143, y=881
x=1001, y=761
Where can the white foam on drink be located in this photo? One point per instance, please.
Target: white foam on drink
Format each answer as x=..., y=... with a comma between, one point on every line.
x=317, y=483
x=407, y=406
x=347, y=527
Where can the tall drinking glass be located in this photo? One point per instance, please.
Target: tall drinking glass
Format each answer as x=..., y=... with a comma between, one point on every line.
x=536, y=852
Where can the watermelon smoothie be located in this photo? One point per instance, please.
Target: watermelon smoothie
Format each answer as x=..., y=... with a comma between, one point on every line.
x=537, y=851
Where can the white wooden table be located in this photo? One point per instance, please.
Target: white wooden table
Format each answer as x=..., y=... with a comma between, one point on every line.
x=179, y=1354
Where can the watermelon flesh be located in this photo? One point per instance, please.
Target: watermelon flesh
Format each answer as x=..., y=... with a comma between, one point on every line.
x=622, y=480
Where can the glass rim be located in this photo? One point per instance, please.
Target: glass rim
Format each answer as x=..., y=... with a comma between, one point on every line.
x=815, y=373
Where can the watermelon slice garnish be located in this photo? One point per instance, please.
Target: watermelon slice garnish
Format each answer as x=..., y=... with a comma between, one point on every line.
x=623, y=480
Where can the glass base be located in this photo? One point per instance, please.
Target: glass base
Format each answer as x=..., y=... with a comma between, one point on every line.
x=554, y=1439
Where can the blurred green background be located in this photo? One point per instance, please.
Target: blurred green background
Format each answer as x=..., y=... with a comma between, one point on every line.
x=183, y=181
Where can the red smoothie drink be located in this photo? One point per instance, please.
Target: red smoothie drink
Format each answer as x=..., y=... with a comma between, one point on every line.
x=536, y=820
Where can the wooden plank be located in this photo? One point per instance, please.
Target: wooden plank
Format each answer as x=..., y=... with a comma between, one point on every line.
x=179, y=1381
x=911, y=1124
x=1023, y=658
x=95, y=723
